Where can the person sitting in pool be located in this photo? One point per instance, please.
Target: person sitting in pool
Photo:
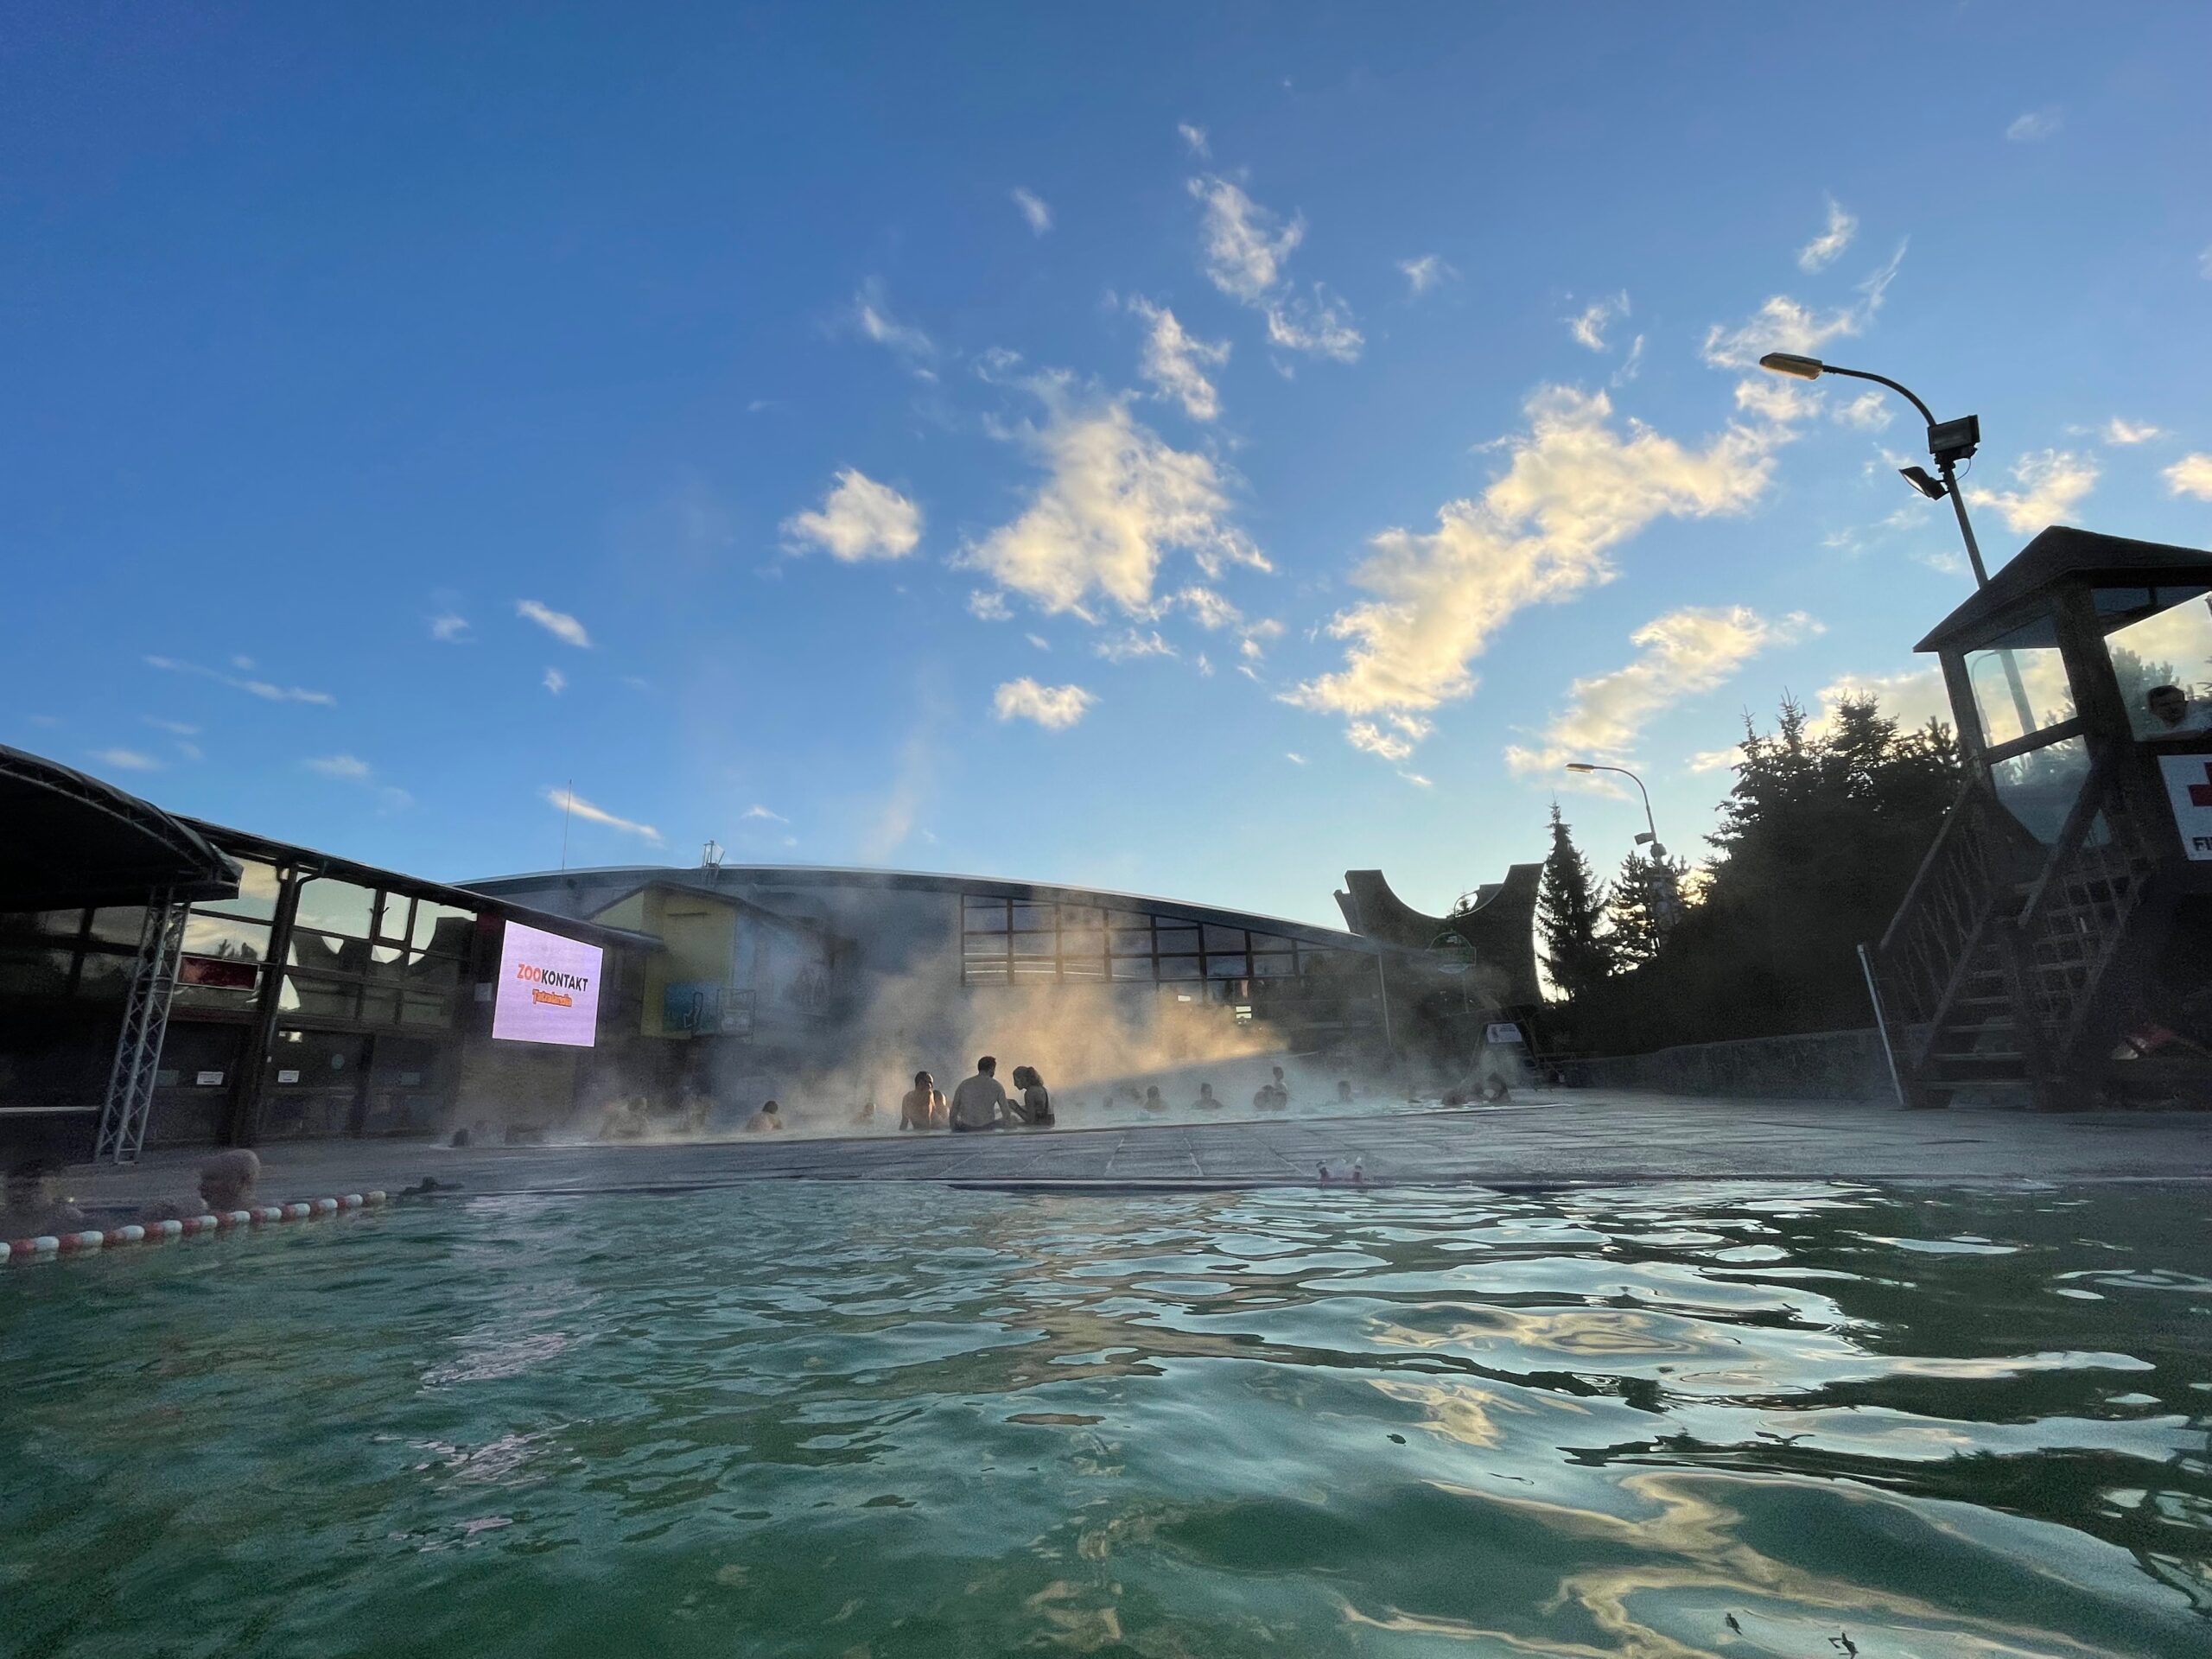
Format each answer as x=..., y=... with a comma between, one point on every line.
x=1344, y=1092
x=765, y=1121
x=1152, y=1102
x=227, y=1182
x=922, y=1107
x=1035, y=1106
x=1270, y=1099
x=1281, y=1088
x=979, y=1102
x=33, y=1205
x=1207, y=1099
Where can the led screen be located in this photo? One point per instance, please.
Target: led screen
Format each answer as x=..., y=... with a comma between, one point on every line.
x=549, y=989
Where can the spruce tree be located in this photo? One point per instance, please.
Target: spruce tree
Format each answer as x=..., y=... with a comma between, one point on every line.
x=1646, y=901
x=1569, y=904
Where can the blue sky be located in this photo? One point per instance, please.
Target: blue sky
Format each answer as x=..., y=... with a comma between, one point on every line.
x=1186, y=449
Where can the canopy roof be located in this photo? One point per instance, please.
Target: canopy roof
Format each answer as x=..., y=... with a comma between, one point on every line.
x=67, y=841
x=2058, y=553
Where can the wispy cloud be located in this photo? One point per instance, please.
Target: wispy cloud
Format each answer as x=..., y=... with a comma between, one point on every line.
x=174, y=727
x=1869, y=411
x=447, y=629
x=1784, y=324
x=859, y=519
x=1115, y=501
x=1574, y=488
x=1033, y=209
x=1426, y=272
x=1821, y=252
x=555, y=681
x=757, y=812
x=267, y=690
x=1246, y=248
x=1176, y=361
x=351, y=769
x=1293, y=757
x=1196, y=138
x=2190, y=475
x=2050, y=482
x=1589, y=326
x=871, y=316
x=987, y=606
x=1679, y=655
x=2035, y=125
x=1039, y=641
x=2126, y=433
x=127, y=760
x=559, y=624
x=1055, y=708
x=568, y=801
x=1130, y=643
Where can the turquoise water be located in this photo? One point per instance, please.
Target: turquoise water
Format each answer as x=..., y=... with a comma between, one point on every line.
x=868, y=1421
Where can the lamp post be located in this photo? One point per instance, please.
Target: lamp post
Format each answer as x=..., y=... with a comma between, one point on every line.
x=1662, y=903
x=1949, y=443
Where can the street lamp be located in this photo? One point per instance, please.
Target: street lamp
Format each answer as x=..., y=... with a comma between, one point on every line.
x=1651, y=836
x=1949, y=443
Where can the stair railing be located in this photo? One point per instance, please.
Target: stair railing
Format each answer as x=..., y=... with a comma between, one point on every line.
x=1929, y=947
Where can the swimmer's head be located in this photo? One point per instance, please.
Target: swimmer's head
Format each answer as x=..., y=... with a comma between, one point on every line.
x=923, y=1080
x=226, y=1179
x=769, y=1107
x=986, y=1065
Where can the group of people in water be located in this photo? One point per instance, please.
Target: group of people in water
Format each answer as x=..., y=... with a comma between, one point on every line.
x=981, y=1103
x=33, y=1204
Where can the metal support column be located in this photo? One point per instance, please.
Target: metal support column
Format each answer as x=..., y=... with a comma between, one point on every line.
x=145, y=1023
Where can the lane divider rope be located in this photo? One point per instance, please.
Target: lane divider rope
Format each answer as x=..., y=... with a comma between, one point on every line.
x=47, y=1246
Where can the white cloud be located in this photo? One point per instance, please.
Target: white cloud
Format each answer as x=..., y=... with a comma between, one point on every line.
x=1912, y=697
x=761, y=814
x=1196, y=138
x=1130, y=645
x=347, y=767
x=559, y=624
x=2034, y=125
x=1212, y=612
x=1055, y=707
x=1417, y=779
x=987, y=606
x=1784, y=324
x=1366, y=734
x=1715, y=760
x=266, y=690
x=860, y=519
x=449, y=629
x=1781, y=402
x=1682, y=654
x=555, y=681
x=1039, y=641
x=871, y=316
x=1176, y=361
x=2124, y=433
x=1822, y=250
x=1632, y=365
x=1426, y=272
x=174, y=727
x=1033, y=209
x=569, y=801
x=1589, y=328
x=1574, y=488
x=127, y=760
x=1869, y=411
x=1247, y=247
x=1293, y=757
x=1115, y=501
x=2051, y=482
x=2190, y=475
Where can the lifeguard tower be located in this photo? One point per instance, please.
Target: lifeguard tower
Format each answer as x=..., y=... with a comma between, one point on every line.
x=2056, y=948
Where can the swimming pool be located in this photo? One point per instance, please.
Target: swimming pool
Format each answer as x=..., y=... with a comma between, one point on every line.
x=821, y=1418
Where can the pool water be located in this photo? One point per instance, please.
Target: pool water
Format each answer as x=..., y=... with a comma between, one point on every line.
x=790, y=1418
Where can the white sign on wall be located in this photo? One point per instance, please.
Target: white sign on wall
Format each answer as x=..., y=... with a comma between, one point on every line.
x=2189, y=785
x=548, y=989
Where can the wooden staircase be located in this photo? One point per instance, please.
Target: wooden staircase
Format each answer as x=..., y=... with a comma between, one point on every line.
x=1987, y=981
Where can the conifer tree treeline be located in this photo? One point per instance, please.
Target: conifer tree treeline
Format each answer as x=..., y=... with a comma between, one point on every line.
x=1819, y=838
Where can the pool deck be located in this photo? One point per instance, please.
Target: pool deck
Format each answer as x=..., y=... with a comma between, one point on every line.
x=1575, y=1136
